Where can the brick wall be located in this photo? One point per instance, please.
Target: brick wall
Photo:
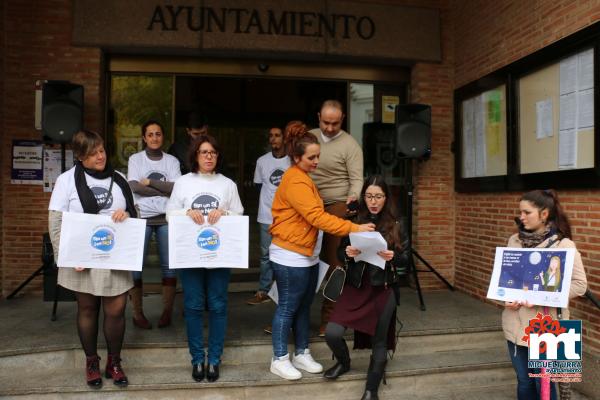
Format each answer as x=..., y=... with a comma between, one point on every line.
x=1, y=123
x=37, y=36
x=433, y=226
x=487, y=36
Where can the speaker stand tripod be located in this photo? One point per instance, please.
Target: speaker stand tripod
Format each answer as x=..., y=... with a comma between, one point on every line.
x=412, y=252
x=47, y=263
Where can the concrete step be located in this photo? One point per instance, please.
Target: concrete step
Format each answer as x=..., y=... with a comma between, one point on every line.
x=429, y=374
x=241, y=352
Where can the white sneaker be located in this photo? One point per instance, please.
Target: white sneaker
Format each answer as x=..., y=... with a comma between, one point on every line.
x=306, y=362
x=283, y=367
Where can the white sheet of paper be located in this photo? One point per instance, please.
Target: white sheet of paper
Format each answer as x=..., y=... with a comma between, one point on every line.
x=323, y=267
x=543, y=119
x=369, y=243
x=516, y=275
x=568, y=75
x=585, y=109
x=568, y=111
x=95, y=241
x=567, y=149
x=222, y=245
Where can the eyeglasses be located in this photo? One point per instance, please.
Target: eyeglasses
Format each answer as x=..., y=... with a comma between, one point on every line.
x=378, y=196
x=206, y=153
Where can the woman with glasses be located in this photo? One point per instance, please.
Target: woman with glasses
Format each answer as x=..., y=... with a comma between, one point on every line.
x=370, y=295
x=205, y=195
x=151, y=174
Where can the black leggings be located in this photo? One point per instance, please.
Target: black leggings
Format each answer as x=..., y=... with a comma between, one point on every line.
x=88, y=310
x=335, y=332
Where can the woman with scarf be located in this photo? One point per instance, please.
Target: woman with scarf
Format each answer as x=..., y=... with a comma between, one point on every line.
x=370, y=296
x=93, y=187
x=151, y=174
x=542, y=224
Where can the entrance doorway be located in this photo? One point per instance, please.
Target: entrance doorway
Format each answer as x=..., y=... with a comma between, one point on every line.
x=240, y=111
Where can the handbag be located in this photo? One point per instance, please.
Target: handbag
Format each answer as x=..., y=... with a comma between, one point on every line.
x=335, y=284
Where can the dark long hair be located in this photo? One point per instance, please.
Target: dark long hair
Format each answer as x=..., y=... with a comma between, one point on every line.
x=296, y=139
x=548, y=200
x=385, y=222
x=195, y=146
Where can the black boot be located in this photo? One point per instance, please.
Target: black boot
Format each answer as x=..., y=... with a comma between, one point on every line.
x=374, y=376
x=342, y=355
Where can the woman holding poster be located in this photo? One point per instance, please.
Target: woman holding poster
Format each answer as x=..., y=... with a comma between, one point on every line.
x=542, y=223
x=93, y=187
x=151, y=174
x=298, y=215
x=205, y=195
x=370, y=296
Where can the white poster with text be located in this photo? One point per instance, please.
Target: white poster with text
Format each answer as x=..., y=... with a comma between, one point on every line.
x=222, y=245
x=95, y=241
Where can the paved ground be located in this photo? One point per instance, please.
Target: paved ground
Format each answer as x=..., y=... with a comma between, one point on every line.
x=26, y=324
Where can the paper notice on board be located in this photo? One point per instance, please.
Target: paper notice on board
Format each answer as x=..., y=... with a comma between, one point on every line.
x=543, y=112
x=468, y=147
x=568, y=75
x=388, y=109
x=480, y=145
x=585, y=109
x=568, y=107
x=567, y=149
x=585, y=70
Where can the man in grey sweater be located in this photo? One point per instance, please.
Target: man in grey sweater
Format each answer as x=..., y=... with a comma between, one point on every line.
x=339, y=179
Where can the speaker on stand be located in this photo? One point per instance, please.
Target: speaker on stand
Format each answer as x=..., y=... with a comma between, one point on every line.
x=413, y=142
x=62, y=117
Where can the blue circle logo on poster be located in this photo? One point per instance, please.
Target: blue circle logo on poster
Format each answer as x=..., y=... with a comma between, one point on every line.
x=208, y=239
x=501, y=292
x=103, y=239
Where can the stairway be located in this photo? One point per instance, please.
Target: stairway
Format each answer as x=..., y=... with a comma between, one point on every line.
x=454, y=350
x=425, y=366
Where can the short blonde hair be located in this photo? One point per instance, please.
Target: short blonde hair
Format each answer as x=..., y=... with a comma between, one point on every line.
x=84, y=142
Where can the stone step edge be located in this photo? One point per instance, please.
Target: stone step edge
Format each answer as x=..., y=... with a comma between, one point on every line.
x=488, y=366
x=239, y=343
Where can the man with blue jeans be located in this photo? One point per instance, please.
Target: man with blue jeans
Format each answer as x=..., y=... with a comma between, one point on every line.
x=267, y=175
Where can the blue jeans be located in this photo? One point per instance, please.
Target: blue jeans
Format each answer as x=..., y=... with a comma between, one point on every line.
x=527, y=388
x=296, y=288
x=266, y=269
x=201, y=286
x=161, y=233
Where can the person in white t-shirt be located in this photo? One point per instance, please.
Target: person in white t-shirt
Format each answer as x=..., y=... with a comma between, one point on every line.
x=267, y=176
x=93, y=187
x=151, y=174
x=205, y=195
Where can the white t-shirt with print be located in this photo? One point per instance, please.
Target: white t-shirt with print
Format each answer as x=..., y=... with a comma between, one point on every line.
x=65, y=198
x=166, y=169
x=268, y=173
x=205, y=192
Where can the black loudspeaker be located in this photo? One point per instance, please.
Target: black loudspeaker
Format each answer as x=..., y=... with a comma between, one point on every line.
x=62, y=111
x=379, y=147
x=413, y=130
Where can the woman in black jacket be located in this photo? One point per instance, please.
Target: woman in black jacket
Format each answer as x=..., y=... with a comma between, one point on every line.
x=370, y=295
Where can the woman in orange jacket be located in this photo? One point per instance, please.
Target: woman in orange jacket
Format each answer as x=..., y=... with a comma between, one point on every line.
x=298, y=216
